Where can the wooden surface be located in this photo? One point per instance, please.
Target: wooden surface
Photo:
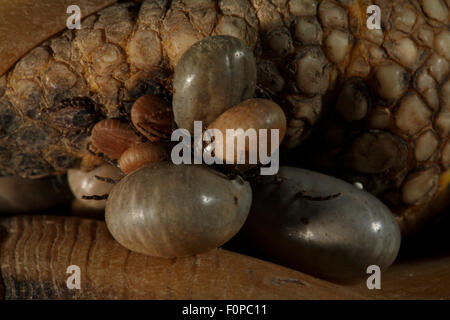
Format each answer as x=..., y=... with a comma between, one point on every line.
x=26, y=23
x=35, y=252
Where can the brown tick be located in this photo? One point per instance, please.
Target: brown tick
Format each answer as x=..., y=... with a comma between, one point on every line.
x=75, y=115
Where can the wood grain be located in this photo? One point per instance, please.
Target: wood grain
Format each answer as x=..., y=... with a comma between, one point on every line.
x=26, y=23
x=35, y=252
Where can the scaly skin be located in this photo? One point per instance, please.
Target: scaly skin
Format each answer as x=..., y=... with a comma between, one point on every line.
x=385, y=93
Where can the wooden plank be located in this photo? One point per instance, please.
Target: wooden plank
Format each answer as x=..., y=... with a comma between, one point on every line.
x=35, y=252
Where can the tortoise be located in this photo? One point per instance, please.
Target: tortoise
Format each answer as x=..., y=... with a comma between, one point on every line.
x=368, y=105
